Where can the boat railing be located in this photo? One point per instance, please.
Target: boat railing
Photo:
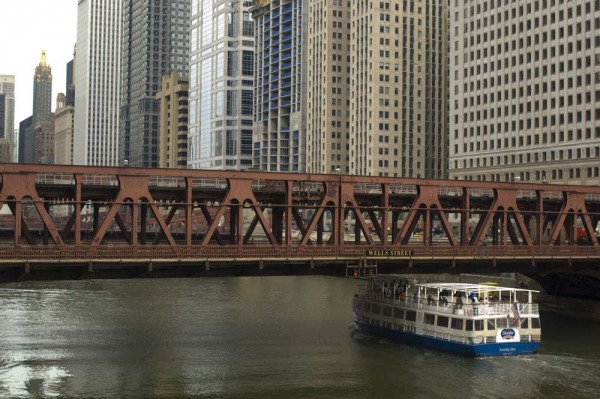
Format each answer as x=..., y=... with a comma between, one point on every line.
x=480, y=309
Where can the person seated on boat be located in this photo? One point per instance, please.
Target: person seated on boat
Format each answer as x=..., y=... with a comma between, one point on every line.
x=415, y=298
x=486, y=301
x=403, y=295
x=429, y=300
x=459, y=303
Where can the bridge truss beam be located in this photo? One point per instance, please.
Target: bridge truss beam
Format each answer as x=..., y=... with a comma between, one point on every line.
x=73, y=213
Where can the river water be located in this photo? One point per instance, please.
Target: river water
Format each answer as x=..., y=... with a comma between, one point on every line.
x=253, y=337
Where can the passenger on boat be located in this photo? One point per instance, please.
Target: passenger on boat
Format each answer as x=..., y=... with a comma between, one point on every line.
x=443, y=300
x=459, y=303
x=400, y=293
x=429, y=300
x=415, y=298
x=473, y=297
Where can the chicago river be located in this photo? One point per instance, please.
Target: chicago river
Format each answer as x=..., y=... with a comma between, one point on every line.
x=253, y=337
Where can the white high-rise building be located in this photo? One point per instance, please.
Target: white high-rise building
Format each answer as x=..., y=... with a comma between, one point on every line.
x=7, y=88
x=97, y=83
x=398, y=91
x=221, y=85
x=524, y=102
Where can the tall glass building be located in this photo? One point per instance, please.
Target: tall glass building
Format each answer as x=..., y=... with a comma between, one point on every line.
x=155, y=42
x=278, y=141
x=221, y=85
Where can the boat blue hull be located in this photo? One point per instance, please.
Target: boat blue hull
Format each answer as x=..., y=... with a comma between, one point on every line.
x=474, y=350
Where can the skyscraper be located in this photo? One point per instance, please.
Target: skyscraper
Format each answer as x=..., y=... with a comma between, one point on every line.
x=7, y=127
x=328, y=78
x=64, y=117
x=524, y=91
x=173, y=137
x=70, y=84
x=221, y=85
x=42, y=91
x=373, y=81
x=43, y=141
x=4, y=143
x=97, y=82
x=279, y=140
x=24, y=128
x=399, y=88
x=155, y=42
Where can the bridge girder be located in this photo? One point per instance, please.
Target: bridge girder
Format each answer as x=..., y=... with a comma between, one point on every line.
x=133, y=213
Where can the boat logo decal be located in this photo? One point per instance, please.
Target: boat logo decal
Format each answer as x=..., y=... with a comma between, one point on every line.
x=508, y=333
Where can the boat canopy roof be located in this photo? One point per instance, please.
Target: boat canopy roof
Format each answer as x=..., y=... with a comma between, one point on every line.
x=463, y=287
x=471, y=287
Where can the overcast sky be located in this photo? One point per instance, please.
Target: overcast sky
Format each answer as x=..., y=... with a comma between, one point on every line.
x=27, y=28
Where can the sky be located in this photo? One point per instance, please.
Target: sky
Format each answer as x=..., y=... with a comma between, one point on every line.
x=27, y=28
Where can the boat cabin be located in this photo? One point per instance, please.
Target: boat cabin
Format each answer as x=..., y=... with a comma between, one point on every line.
x=465, y=313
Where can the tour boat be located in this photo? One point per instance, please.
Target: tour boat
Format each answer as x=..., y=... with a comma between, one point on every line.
x=467, y=319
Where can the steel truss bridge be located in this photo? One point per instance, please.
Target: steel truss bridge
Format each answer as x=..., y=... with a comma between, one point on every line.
x=76, y=220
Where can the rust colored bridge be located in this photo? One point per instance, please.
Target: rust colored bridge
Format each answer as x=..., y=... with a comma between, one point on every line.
x=75, y=221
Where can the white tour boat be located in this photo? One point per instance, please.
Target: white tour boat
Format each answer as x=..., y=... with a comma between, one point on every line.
x=468, y=319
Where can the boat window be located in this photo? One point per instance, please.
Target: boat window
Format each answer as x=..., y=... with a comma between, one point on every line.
x=525, y=323
x=411, y=315
x=478, y=325
x=469, y=325
x=399, y=313
x=442, y=321
x=502, y=323
x=375, y=308
x=535, y=323
x=491, y=324
x=387, y=311
x=429, y=318
x=457, y=324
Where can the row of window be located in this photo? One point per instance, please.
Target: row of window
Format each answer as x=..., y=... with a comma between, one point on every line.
x=456, y=323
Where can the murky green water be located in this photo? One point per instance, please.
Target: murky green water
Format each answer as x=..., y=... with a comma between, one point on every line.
x=255, y=337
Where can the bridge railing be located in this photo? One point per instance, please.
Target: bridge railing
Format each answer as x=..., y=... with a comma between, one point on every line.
x=182, y=252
